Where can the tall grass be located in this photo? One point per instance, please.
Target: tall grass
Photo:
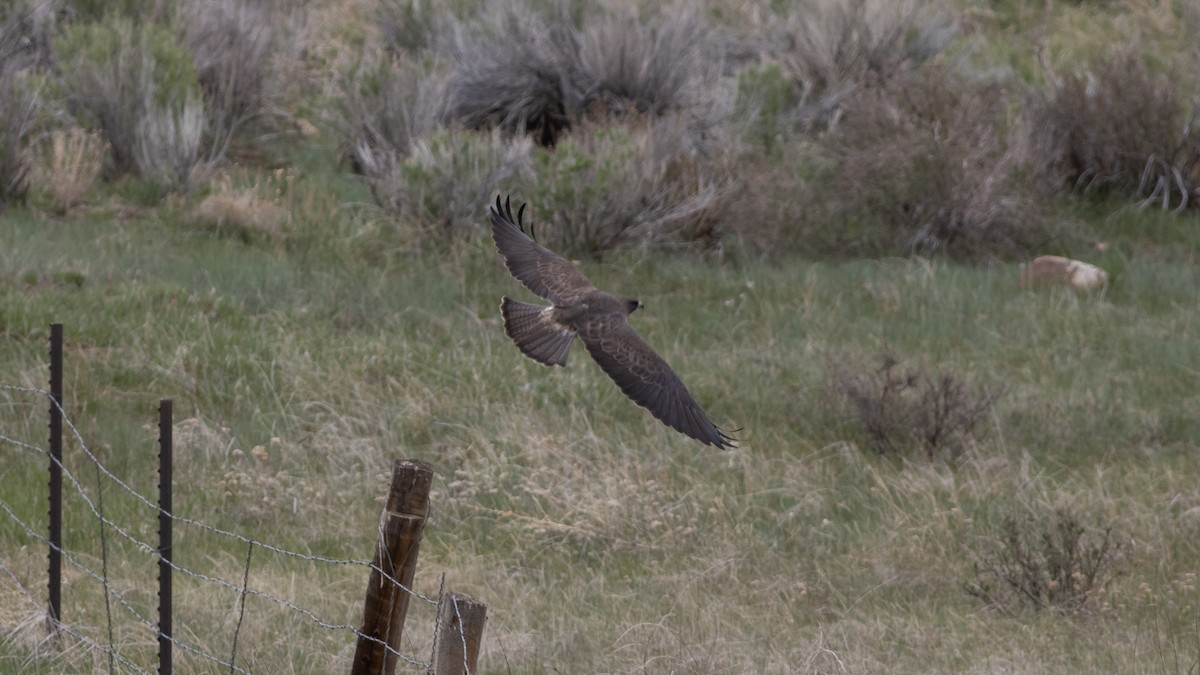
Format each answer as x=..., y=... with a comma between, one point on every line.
x=600, y=539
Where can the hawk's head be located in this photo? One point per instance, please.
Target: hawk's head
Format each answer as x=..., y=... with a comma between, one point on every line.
x=632, y=305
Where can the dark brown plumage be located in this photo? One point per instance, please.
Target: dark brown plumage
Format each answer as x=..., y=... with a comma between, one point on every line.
x=599, y=319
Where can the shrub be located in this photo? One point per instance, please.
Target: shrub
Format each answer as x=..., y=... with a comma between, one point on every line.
x=20, y=102
x=765, y=99
x=168, y=148
x=541, y=74
x=926, y=166
x=387, y=103
x=646, y=183
x=906, y=412
x=654, y=179
x=407, y=26
x=442, y=186
x=25, y=31
x=517, y=72
x=778, y=209
x=1045, y=561
x=1120, y=128
x=18, y=109
x=232, y=42
x=140, y=88
x=830, y=49
x=651, y=67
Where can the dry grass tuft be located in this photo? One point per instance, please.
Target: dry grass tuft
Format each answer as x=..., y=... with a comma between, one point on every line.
x=69, y=165
x=246, y=213
x=260, y=490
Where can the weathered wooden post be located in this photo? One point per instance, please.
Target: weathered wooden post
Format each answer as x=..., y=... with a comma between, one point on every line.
x=460, y=622
x=386, y=606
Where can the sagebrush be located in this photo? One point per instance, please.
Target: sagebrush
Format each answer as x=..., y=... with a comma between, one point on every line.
x=1047, y=559
x=1118, y=126
x=907, y=412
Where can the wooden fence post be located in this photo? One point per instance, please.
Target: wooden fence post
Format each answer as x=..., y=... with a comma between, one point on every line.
x=386, y=605
x=460, y=622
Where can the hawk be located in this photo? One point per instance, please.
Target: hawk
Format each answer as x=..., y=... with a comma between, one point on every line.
x=599, y=320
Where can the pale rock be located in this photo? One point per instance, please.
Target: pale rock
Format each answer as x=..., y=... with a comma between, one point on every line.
x=1053, y=269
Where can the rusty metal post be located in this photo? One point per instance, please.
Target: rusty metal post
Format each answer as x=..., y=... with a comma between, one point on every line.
x=165, y=470
x=54, y=613
x=386, y=605
x=460, y=621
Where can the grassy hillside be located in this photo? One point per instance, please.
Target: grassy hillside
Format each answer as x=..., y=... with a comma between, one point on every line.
x=1018, y=493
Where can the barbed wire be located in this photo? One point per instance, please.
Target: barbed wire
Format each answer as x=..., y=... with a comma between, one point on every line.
x=145, y=547
x=188, y=521
x=120, y=597
x=67, y=628
x=198, y=575
x=461, y=635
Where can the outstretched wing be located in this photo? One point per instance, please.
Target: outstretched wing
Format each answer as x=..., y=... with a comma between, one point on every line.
x=541, y=270
x=647, y=379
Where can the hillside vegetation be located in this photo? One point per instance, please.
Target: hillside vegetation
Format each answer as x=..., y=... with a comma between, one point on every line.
x=274, y=214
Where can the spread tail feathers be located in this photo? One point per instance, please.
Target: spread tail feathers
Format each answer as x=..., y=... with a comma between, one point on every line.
x=536, y=333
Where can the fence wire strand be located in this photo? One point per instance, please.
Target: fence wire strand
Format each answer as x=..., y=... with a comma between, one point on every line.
x=196, y=523
x=242, y=591
x=462, y=635
x=120, y=597
x=83, y=639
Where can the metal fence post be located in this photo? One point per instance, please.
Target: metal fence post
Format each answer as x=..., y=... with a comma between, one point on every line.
x=54, y=614
x=164, y=536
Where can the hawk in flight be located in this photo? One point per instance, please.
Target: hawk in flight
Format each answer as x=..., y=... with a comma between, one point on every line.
x=599, y=319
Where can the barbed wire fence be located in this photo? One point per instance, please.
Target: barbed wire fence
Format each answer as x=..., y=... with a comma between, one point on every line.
x=458, y=624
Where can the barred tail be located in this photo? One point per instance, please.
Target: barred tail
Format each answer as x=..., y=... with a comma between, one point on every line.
x=536, y=333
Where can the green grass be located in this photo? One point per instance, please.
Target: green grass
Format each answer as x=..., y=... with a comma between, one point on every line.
x=601, y=540
x=301, y=364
